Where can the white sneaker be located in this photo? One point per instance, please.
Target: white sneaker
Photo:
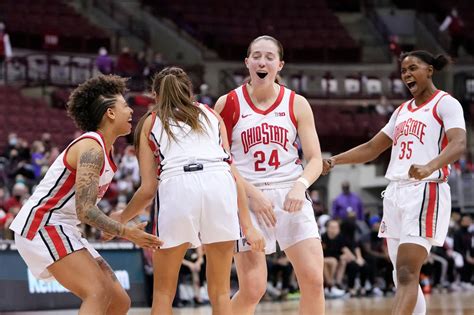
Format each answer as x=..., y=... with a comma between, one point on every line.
x=335, y=292
x=377, y=292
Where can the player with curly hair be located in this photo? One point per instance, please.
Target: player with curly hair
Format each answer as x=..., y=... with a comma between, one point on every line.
x=46, y=232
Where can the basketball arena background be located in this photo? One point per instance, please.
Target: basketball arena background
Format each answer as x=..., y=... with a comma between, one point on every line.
x=342, y=55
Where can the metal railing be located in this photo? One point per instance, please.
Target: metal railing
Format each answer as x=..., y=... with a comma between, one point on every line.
x=462, y=191
x=48, y=69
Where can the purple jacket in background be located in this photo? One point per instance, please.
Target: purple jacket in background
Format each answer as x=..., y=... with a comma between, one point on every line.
x=345, y=203
x=105, y=64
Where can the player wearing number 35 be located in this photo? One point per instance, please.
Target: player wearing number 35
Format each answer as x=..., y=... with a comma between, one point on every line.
x=263, y=120
x=426, y=134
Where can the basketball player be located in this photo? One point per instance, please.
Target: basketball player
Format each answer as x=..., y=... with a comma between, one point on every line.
x=426, y=134
x=46, y=232
x=186, y=143
x=263, y=120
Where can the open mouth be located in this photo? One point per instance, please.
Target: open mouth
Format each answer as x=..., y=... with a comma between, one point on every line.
x=262, y=75
x=411, y=85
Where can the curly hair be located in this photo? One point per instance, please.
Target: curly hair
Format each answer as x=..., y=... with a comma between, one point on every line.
x=89, y=101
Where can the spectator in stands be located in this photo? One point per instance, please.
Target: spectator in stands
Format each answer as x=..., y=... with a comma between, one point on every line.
x=4, y=215
x=374, y=251
x=19, y=162
x=417, y=172
x=126, y=64
x=5, y=49
x=435, y=268
x=395, y=49
x=464, y=165
x=384, y=107
x=280, y=273
x=464, y=244
x=334, y=247
x=318, y=207
x=142, y=64
x=3, y=196
x=157, y=64
x=204, y=97
x=347, y=202
x=46, y=140
x=455, y=26
x=38, y=158
x=13, y=205
x=13, y=143
x=194, y=265
x=104, y=62
x=129, y=166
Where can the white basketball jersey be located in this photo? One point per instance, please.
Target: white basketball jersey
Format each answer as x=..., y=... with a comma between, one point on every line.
x=419, y=134
x=53, y=202
x=263, y=143
x=191, y=147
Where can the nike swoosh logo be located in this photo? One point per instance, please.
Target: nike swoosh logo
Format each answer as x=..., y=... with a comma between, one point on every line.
x=244, y=116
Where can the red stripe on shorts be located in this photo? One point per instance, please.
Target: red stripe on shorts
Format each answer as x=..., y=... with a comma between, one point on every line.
x=431, y=209
x=57, y=240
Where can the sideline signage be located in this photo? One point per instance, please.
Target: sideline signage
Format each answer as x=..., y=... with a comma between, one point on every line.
x=21, y=291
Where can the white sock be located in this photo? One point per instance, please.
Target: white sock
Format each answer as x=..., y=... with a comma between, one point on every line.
x=420, y=307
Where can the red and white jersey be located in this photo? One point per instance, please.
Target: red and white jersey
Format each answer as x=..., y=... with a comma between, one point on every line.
x=263, y=142
x=191, y=147
x=53, y=202
x=419, y=134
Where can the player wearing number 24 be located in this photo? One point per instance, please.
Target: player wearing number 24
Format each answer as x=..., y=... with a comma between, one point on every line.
x=263, y=120
x=425, y=134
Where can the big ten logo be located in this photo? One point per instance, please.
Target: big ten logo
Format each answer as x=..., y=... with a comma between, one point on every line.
x=280, y=114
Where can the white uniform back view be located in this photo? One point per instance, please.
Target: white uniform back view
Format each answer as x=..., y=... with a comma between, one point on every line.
x=197, y=192
x=46, y=226
x=191, y=147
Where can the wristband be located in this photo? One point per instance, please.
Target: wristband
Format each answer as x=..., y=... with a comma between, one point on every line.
x=303, y=181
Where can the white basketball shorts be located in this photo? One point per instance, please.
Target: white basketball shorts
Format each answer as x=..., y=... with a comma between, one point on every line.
x=198, y=207
x=416, y=209
x=50, y=244
x=291, y=227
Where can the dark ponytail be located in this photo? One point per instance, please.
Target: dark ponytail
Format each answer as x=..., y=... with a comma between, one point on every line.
x=438, y=62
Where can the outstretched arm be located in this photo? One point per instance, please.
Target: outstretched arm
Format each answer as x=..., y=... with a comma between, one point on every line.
x=148, y=177
x=312, y=154
x=90, y=159
x=363, y=153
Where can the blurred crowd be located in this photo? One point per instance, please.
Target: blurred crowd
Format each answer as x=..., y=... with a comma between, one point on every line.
x=356, y=261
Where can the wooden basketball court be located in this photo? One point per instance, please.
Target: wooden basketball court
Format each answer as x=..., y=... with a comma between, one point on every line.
x=459, y=303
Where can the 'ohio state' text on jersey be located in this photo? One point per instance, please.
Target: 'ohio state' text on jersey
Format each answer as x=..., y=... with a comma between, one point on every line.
x=418, y=134
x=263, y=143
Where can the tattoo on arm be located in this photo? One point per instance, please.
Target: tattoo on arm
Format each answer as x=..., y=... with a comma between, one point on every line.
x=87, y=188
